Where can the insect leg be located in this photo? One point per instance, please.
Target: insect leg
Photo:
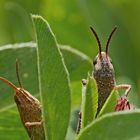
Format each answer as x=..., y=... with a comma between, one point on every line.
x=126, y=87
x=35, y=130
x=28, y=124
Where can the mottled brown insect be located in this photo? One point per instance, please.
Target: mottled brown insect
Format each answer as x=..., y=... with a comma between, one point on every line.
x=104, y=73
x=29, y=109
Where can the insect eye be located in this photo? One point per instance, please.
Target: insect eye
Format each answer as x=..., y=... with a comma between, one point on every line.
x=95, y=62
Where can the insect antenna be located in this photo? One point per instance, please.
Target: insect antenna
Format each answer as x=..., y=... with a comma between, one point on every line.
x=109, y=39
x=17, y=72
x=97, y=38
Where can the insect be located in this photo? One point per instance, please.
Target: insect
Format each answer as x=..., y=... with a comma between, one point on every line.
x=29, y=109
x=79, y=122
x=103, y=73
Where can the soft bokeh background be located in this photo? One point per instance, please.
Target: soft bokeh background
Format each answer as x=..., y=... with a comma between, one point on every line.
x=70, y=21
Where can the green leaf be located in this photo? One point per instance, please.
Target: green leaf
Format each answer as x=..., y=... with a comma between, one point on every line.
x=113, y=126
x=26, y=53
x=110, y=103
x=53, y=82
x=77, y=62
x=89, y=101
x=10, y=125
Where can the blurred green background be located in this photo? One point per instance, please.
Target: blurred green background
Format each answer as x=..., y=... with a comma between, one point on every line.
x=70, y=21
